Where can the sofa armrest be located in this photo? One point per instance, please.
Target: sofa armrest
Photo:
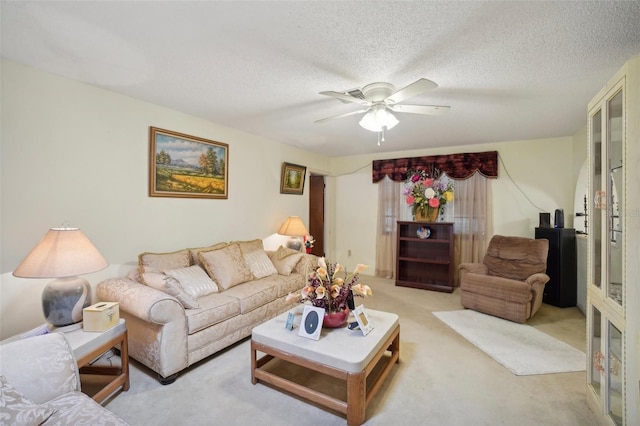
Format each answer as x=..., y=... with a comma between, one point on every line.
x=40, y=367
x=156, y=324
x=141, y=301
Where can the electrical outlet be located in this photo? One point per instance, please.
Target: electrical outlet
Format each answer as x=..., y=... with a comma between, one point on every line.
x=349, y=253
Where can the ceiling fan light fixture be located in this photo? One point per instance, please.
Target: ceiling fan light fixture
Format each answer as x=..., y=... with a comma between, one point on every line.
x=390, y=120
x=378, y=118
x=369, y=122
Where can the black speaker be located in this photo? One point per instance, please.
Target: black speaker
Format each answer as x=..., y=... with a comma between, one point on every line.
x=559, y=219
x=545, y=220
x=351, y=304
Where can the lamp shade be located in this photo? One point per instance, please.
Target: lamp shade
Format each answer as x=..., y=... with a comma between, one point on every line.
x=62, y=252
x=294, y=227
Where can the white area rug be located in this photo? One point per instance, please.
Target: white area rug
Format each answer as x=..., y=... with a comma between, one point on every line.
x=520, y=348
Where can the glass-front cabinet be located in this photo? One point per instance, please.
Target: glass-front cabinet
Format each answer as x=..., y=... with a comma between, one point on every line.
x=613, y=302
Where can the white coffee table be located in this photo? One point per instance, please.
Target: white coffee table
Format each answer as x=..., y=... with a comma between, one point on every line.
x=341, y=353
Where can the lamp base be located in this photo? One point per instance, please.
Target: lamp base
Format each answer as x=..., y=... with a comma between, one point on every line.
x=64, y=299
x=295, y=244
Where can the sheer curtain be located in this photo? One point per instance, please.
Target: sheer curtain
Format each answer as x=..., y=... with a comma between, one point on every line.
x=389, y=212
x=472, y=218
x=470, y=212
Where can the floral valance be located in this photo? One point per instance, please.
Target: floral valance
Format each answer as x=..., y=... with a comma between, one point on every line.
x=456, y=166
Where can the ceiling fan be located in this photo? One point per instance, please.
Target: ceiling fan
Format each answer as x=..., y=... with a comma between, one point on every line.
x=381, y=101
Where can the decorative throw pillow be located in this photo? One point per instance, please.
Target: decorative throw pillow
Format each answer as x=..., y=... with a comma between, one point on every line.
x=194, y=252
x=134, y=275
x=226, y=266
x=17, y=409
x=308, y=263
x=194, y=280
x=249, y=246
x=162, y=261
x=285, y=259
x=257, y=259
x=260, y=264
x=172, y=287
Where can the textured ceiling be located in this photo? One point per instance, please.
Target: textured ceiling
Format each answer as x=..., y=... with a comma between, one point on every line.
x=509, y=70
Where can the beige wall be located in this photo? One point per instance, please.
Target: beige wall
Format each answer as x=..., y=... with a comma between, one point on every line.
x=73, y=152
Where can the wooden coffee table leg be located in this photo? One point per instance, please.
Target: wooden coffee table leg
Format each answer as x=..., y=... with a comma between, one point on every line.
x=356, y=397
x=395, y=347
x=124, y=359
x=254, y=364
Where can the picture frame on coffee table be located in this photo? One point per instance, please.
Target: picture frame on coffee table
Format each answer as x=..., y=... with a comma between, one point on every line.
x=184, y=166
x=311, y=324
x=364, y=322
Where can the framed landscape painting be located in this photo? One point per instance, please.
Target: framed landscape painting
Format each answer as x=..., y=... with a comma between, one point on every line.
x=292, y=179
x=187, y=166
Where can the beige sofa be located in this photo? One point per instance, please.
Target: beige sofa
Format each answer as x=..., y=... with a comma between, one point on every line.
x=40, y=384
x=184, y=306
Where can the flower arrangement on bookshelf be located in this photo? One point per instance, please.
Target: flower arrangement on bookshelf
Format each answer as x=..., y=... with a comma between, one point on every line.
x=427, y=194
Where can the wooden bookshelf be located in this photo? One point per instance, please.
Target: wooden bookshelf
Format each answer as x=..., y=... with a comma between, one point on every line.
x=427, y=262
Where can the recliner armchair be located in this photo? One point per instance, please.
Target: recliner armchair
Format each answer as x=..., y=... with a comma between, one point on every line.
x=510, y=281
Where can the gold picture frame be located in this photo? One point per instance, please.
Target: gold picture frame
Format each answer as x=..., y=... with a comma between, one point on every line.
x=186, y=166
x=292, y=178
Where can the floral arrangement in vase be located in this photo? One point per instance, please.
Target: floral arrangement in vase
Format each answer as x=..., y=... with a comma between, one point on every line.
x=329, y=291
x=426, y=194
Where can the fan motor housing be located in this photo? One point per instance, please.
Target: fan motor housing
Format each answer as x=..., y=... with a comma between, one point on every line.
x=377, y=92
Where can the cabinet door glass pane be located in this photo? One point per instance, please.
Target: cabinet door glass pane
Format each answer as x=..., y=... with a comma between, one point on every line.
x=615, y=199
x=597, y=358
x=615, y=374
x=595, y=218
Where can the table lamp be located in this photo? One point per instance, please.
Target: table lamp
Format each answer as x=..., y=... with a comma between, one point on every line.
x=63, y=253
x=294, y=227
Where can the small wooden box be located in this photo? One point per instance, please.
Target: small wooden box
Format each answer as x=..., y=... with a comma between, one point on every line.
x=100, y=316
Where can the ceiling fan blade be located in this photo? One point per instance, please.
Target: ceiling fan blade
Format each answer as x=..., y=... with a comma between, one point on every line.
x=360, y=111
x=414, y=89
x=344, y=97
x=421, y=109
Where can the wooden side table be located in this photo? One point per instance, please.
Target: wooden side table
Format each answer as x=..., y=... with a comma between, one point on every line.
x=89, y=345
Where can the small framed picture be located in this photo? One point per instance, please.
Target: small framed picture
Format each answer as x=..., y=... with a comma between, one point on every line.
x=289, y=324
x=311, y=324
x=292, y=179
x=364, y=322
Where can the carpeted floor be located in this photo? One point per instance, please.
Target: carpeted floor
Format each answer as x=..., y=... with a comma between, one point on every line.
x=442, y=379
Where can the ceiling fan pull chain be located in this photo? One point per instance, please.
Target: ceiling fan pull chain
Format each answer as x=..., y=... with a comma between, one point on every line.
x=381, y=135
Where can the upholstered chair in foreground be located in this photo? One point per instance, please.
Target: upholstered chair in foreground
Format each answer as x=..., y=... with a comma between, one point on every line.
x=40, y=385
x=510, y=281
